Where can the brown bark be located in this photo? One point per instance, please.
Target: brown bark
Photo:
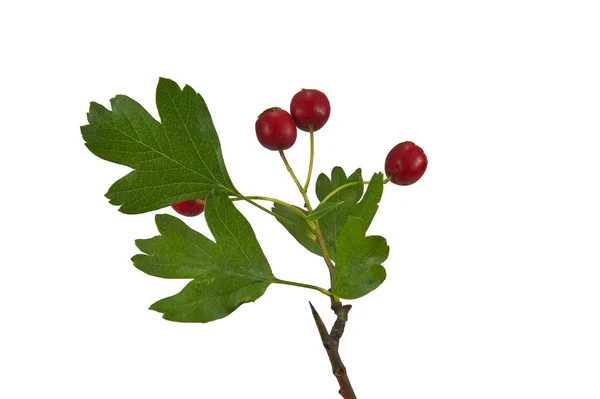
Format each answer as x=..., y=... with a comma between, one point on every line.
x=331, y=341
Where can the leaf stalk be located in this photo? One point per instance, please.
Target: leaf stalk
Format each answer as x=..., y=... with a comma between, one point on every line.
x=275, y=201
x=259, y=206
x=344, y=186
x=302, y=285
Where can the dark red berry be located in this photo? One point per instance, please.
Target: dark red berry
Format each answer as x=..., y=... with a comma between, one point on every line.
x=405, y=163
x=276, y=129
x=310, y=107
x=189, y=208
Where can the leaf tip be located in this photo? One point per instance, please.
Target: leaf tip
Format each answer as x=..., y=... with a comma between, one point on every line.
x=124, y=209
x=114, y=102
x=163, y=221
x=322, y=176
x=167, y=83
x=338, y=170
x=383, y=273
x=94, y=107
x=115, y=202
x=161, y=217
x=137, y=261
x=156, y=307
x=139, y=244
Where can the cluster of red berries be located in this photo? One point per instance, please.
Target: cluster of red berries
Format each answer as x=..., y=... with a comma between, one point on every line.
x=276, y=130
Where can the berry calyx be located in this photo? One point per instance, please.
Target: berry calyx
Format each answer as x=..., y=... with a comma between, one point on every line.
x=189, y=208
x=310, y=107
x=275, y=129
x=405, y=163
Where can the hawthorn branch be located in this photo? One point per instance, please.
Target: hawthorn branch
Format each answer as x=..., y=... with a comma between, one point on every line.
x=331, y=342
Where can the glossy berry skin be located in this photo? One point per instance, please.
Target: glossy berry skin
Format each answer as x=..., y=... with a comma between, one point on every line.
x=405, y=163
x=189, y=208
x=310, y=107
x=275, y=129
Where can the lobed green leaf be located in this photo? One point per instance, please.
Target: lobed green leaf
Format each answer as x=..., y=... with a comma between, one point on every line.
x=210, y=298
x=358, y=268
x=332, y=223
x=179, y=252
x=366, y=209
x=226, y=273
x=174, y=160
x=326, y=185
x=333, y=214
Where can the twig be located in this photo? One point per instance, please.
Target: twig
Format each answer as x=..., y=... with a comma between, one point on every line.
x=331, y=342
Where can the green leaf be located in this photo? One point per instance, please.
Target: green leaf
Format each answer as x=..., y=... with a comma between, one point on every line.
x=366, y=209
x=332, y=223
x=323, y=210
x=210, y=298
x=325, y=185
x=226, y=273
x=298, y=227
x=333, y=214
x=174, y=160
x=358, y=269
x=179, y=252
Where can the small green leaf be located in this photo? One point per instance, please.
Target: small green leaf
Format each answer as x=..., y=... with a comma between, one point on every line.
x=333, y=214
x=323, y=210
x=358, y=269
x=174, y=160
x=325, y=185
x=332, y=223
x=298, y=227
x=226, y=273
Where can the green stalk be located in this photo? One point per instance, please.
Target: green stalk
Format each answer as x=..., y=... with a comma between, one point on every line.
x=275, y=201
x=312, y=157
x=311, y=287
x=249, y=200
x=291, y=171
x=343, y=186
x=340, y=188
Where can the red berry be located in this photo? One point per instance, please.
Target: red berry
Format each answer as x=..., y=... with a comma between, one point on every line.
x=276, y=129
x=405, y=163
x=310, y=107
x=189, y=208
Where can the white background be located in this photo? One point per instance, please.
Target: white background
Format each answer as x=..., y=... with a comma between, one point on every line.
x=494, y=271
